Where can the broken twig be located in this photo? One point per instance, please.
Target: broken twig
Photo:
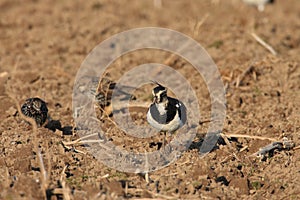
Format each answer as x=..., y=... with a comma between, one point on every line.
x=264, y=44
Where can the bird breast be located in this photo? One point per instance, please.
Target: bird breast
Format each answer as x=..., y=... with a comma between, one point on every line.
x=161, y=107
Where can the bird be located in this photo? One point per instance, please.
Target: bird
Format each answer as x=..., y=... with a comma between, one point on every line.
x=103, y=95
x=37, y=109
x=166, y=114
x=102, y=90
x=259, y=3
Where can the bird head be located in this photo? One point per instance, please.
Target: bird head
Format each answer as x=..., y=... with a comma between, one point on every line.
x=159, y=94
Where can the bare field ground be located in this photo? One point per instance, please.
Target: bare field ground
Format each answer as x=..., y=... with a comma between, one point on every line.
x=43, y=44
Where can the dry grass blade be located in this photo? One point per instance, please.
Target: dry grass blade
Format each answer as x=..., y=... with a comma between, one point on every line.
x=172, y=57
x=69, y=148
x=81, y=142
x=264, y=44
x=147, y=165
x=6, y=182
x=184, y=163
x=240, y=78
x=204, y=121
x=199, y=24
x=225, y=138
x=297, y=147
x=172, y=174
x=249, y=136
x=43, y=171
x=166, y=196
x=244, y=148
x=66, y=191
x=162, y=195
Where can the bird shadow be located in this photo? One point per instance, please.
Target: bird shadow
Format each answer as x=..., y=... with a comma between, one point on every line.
x=199, y=142
x=54, y=125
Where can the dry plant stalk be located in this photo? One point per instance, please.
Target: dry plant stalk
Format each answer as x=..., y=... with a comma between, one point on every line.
x=225, y=138
x=296, y=148
x=240, y=78
x=147, y=165
x=264, y=44
x=66, y=191
x=248, y=136
x=81, y=141
x=155, y=195
x=6, y=181
x=199, y=24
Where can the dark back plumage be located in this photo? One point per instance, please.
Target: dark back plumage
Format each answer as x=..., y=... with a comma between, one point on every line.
x=35, y=108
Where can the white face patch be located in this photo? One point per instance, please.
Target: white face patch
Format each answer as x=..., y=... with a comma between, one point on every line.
x=159, y=95
x=161, y=92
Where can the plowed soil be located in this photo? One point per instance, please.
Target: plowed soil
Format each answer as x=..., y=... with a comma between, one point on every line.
x=42, y=45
